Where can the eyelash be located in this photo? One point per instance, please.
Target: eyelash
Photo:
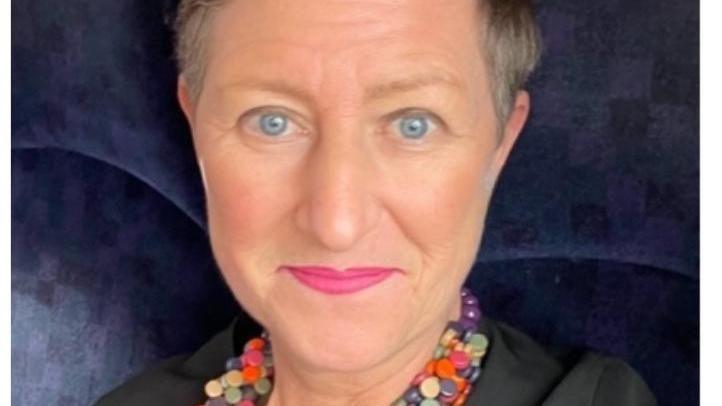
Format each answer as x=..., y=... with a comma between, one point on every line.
x=254, y=115
x=411, y=112
x=390, y=119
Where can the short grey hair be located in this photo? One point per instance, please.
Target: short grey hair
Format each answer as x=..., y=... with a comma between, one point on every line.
x=510, y=38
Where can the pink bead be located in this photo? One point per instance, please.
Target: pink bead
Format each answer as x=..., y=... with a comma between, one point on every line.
x=252, y=358
x=459, y=359
x=419, y=378
x=246, y=402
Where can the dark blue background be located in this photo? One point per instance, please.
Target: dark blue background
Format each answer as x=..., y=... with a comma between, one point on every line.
x=592, y=238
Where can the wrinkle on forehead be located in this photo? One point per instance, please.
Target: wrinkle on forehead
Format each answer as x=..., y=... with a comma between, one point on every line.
x=329, y=46
x=334, y=25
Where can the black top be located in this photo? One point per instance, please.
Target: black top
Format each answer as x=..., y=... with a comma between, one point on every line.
x=516, y=372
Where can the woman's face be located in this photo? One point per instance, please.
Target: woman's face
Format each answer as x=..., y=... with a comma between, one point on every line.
x=346, y=134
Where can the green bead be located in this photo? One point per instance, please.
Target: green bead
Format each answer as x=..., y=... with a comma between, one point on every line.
x=400, y=402
x=429, y=402
x=262, y=386
x=439, y=352
x=232, y=395
x=479, y=342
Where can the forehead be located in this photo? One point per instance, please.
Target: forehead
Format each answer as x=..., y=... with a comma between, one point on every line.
x=316, y=41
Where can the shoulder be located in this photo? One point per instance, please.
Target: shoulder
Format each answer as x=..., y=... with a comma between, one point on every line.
x=606, y=380
x=520, y=371
x=516, y=370
x=178, y=380
x=162, y=384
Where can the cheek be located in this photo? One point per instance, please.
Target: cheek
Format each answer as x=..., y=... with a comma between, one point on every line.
x=440, y=211
x=245, y=198
x=244, y=207
x=443, y=206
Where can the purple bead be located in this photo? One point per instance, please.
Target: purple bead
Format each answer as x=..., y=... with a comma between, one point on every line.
x=216, y=402
x=233, y=363
x=476, y=371
x=413, y=395
x=456, y=326
x=466, y=372
x=465, y=292
x=470, y=300
x=468, y=324
x=249, y=393
x=471, y=312
x=448, y=387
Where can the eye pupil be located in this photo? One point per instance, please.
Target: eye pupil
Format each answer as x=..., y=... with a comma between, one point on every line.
x=414, y=127
x=273, y=124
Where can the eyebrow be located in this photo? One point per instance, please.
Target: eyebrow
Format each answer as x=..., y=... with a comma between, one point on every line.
x=410, y=84
x=376, y=92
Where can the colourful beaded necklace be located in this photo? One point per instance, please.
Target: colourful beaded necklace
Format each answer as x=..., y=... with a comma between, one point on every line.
x=446, y=380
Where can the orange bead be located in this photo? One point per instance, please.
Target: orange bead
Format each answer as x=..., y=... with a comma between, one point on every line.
x=251, y=374
x=255, y=344
x=460, y=382
x=430, y=367
x=460, y=400
x=444, y=368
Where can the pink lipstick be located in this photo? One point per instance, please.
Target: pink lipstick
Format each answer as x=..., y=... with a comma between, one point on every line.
x=335, y=282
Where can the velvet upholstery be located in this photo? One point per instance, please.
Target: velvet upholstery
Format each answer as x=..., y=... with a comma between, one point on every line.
x=591, y=238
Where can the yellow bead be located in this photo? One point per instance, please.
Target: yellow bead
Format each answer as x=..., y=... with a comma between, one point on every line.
x=214, y=388
x=430, y=387
x=234, y=378
x=447, y=337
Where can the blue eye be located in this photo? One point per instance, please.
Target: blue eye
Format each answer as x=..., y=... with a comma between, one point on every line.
x=273, y=123
x=414, y=127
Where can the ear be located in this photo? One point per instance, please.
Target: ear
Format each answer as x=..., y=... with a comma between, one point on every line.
x=184, y=99
x=512, y=128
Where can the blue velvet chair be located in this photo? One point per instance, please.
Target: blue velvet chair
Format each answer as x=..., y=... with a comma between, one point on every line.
x=591, y=239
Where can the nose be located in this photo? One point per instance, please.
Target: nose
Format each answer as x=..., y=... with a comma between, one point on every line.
x=338, y=208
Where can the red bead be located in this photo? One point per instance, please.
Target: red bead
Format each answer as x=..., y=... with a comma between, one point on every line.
x=419, y=378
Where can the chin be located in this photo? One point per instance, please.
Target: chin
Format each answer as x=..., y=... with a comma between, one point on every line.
x=341, y=332
x=340, y=351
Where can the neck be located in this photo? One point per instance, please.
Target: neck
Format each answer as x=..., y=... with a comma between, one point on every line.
x=380, y=385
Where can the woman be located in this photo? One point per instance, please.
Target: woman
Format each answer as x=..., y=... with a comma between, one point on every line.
x=348, y=152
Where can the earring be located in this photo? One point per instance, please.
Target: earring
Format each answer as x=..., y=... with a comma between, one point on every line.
x=203, y=173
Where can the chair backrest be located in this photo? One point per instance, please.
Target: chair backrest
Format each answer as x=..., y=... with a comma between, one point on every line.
x=591, y=238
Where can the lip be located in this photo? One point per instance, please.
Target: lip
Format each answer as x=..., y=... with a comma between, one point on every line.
x=335, y=282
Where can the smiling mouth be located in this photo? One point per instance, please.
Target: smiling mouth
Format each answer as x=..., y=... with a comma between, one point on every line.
x=336, y=282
